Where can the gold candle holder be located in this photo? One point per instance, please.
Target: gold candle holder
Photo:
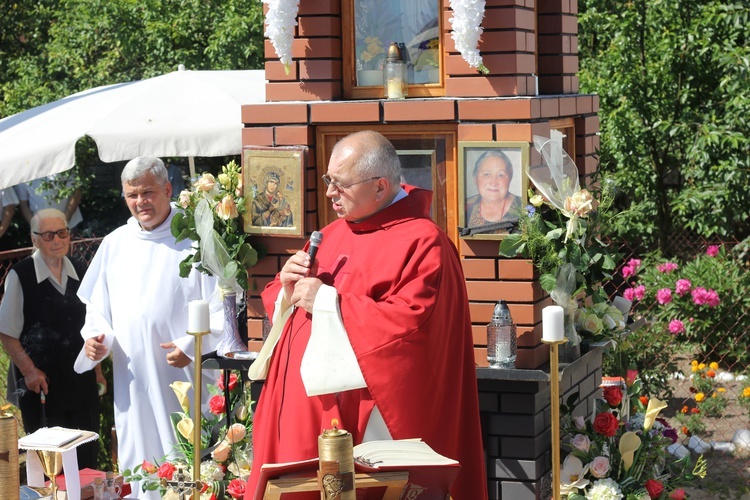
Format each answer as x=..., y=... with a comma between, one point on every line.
x=554, y=381
x=336, y=474
x=197, y=416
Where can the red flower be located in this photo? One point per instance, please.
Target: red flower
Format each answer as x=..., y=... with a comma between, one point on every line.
x=655, y=488
x=678, y=494
x=630, y=377
x=165, y=471
x=695, y=410
x=232, y=381
x=148, y=467
x=236, y=488
x=685, y=409
x=217, y=405
x=606, y=424
x=711, y=374
x=613, y=396
x=685, y=430
x=643, y=400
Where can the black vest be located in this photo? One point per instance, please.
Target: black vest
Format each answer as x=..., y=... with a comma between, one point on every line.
x=51, y=335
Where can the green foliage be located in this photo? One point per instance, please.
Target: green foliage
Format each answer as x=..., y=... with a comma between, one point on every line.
x=674, y=85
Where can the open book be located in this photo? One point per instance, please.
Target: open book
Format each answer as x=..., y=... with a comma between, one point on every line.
x=430, y=473
x=50, y=437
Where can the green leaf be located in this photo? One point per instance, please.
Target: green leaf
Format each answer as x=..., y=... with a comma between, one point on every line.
x=186, y=266
x=177, y=226
x=548, y=282
x=512, y=245
x=247, y=255
x=231, y=269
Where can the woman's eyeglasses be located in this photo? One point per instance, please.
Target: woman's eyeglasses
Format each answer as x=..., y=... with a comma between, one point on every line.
x=50, y=235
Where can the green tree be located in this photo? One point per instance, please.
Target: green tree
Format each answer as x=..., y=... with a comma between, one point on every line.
x=673, y=80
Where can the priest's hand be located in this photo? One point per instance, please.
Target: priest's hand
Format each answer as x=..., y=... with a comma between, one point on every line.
x=304, y=294
x=95, y=349
x=175, y=357
x=295, y=269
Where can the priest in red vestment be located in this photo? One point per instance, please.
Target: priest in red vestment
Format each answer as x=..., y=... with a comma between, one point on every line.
x=375, y=332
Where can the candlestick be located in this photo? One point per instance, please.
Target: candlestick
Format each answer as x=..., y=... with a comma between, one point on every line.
x=553, y=324
x=198, y=316
x=554, y=389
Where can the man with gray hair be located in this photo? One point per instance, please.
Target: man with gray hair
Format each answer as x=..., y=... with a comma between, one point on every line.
x=137, y=311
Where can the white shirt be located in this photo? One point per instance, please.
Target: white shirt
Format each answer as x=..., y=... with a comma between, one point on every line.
x=39, y=199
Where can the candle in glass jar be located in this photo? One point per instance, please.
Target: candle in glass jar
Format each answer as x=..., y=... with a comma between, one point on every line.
x=553, y=327
x=198, y=316
x=395, y=90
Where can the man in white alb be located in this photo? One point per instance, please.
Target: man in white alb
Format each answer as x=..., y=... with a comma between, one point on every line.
x=137, y=310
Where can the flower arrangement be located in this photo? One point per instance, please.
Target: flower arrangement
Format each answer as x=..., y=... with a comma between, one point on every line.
x=281, y=19
x=601, y=321
x=692, y=300
x=467, y=29
x=226, y=466
x=211, y=216
x=617, y=456
x=372, y=54
x=562, y=231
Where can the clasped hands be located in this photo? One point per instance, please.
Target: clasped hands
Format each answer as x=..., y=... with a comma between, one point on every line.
x=299, y=288
x=96, y=350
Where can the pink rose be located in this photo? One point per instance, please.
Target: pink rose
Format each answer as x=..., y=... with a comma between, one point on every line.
x=630, y=377
x=205, y=183
x=664, y=296
x=232, y=382
x=236, y=432
x=712, y=250
x=599, y=467
x=629, y=293
x=712, y=298
x=227, y=208
x=627, y=271
x=148, y=467
x=676, y=326
x=678, y=494
x=639, y=292
x=581, y=442
x=221, y=452
x=682, y=287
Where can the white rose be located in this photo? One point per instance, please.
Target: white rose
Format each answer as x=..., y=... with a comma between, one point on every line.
x=227, y=208
x=205, y=183
x=581, y=442
x=580, y=203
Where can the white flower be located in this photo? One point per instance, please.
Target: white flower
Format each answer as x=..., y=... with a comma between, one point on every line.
x=467, y=28
x=211, y=471
x=579, y=422
x=280, y=22
x=604, y=489
x=572, y=475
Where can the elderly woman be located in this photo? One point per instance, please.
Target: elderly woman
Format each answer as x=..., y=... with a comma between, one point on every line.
x=493, y=172
x=40, y=324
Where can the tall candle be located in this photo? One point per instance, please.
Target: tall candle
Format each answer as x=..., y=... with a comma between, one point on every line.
x=198, y=316
x=553, y=327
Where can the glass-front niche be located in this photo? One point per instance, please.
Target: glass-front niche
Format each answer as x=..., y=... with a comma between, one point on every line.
x=414, y=25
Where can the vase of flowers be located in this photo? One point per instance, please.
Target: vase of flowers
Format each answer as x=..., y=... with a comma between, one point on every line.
x=211, y=216
x=226, y=443
x=561, y=231
x=618, y=456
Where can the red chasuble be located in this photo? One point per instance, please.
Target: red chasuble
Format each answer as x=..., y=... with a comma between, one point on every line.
x=404, y=305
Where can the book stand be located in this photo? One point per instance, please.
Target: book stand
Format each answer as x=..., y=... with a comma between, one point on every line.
x=393, y=481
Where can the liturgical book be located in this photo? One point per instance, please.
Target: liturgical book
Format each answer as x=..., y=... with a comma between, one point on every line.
x=430, y=474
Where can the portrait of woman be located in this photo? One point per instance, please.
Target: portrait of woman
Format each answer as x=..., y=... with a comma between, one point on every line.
x=494, y=189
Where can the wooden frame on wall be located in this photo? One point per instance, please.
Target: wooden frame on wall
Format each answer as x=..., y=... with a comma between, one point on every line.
x=488, y=206
x=273, y=180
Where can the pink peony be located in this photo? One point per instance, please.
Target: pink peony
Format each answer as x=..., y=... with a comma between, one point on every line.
x=634, y=263
x=682, y=287
x=627, y=271
x=667, y=267
x=629, y=293
x=664, y=296
x=700, y=296
x=639, y=292
x=712, y=298
x=676, y=326
x=712, y=250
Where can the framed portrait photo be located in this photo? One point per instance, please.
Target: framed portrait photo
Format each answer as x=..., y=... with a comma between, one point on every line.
x=274, y=190
x=493, y=187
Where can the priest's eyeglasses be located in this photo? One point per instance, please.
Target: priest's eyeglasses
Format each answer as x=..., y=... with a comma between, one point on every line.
x=50, y=235
x=340, y=187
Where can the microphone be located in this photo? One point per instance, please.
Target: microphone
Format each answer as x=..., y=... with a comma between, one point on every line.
x=316, y=238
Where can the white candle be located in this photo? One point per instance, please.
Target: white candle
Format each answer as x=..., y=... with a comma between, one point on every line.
x=623, y=305
x=553, y=327
x=394, y=89
x=198, y=317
